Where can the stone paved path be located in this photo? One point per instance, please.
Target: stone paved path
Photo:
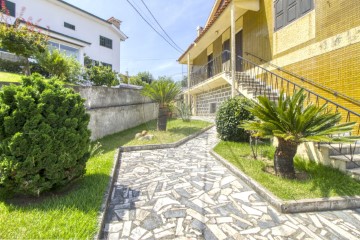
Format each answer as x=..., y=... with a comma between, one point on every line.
x=184, y=193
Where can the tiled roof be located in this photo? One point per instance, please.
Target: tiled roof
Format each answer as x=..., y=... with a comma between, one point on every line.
x=208, y=26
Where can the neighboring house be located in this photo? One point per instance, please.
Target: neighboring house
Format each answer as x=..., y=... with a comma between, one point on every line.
x=74, y=30
x=312, y=43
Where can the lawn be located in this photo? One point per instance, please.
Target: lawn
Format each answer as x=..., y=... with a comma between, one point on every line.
x=72, y=213
x=322, y=181
x=10, y=77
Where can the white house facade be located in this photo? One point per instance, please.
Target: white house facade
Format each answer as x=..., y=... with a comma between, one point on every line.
x=74, y=30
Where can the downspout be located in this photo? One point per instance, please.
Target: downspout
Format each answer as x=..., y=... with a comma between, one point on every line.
x=233, y=49
x=188, y=79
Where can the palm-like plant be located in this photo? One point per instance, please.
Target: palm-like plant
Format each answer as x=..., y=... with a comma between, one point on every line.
x=163, y=92
x=293, y=122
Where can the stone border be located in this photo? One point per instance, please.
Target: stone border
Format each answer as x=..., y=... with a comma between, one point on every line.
x=165, y=145
x=292, y=206
x=106, y=199
x=116, y=166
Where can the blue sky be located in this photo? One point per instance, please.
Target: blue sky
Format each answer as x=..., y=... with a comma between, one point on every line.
x=178, y=17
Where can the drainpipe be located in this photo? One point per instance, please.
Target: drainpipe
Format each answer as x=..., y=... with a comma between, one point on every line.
x=233, y=50
x=188, y=80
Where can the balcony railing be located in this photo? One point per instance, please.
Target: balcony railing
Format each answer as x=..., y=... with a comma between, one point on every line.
x=217, y=65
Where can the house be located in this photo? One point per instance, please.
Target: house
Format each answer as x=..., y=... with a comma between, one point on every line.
x=253, y=47
x=73, y=30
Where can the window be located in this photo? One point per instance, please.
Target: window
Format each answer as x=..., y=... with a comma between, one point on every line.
x=10, y=8
x=226, y=51
x=69, y=51
x=287, y=11
x=106, y=65
x=68, y=25
x=105, y=42
x=212, y=107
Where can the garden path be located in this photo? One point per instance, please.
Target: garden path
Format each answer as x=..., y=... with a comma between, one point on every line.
x=184, y=193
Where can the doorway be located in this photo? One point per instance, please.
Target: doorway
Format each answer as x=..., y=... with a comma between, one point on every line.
x=239, y=51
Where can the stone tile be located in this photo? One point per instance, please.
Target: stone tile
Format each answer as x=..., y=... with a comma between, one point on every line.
x=184, y=193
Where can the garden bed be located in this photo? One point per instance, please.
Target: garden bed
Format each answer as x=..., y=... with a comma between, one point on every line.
x=72, y=212
x=320, y=181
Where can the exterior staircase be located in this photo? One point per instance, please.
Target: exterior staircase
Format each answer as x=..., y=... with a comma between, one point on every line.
x=345, y=157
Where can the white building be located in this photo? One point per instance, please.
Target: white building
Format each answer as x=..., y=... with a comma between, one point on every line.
x=74, y=30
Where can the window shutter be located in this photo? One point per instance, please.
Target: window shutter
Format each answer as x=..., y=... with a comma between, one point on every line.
x=306, y=5
x=291, y=10
x=279, y=14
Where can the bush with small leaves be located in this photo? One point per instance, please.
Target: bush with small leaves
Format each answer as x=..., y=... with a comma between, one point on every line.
x=44, y=139
x=101, y=75
x=230, y=114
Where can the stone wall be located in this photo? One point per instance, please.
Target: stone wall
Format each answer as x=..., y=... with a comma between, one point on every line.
x=115, y=109
x=213, y=97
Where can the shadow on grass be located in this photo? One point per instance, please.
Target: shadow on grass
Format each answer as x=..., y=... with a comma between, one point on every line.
x=328, y=179
x=84, y=194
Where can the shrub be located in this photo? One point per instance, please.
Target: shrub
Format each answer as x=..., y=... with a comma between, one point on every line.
x=184, y=111
x=101, y=75
x=10, y=66
x=44, y=140
x=57, y=64
x=230, y=114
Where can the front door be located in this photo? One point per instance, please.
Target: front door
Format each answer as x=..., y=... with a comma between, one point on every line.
x=239, y=50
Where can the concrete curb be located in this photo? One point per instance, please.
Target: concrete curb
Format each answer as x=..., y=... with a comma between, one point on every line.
x=162, y=146
x=107, y=196
x=117, y=164
x=293, y=206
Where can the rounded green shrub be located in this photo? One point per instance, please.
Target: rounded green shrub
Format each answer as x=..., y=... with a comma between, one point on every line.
x=230, y=114
x=44, y=139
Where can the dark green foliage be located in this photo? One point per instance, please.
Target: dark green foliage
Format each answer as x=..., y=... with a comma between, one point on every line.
x=10, y=66
x=44, y=140
x=101, y=75
x=230, y=114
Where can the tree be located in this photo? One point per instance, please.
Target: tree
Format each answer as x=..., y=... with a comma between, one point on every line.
x=66, y=68
x=101, y=75
x=145, y=77
x=162, y=91
x=293, y=122
x=23, y=39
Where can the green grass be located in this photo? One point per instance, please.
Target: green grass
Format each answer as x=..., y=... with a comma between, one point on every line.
x=322, y=181
x=176, y=130
x=10, y=77
x=74, y=214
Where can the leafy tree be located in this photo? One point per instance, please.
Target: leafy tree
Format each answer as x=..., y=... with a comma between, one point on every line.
x=101, y=75
x=59, y=65
x=294, y=122
x=24, y=40
x=162, y=91
x=44, y=139
x=145, y=77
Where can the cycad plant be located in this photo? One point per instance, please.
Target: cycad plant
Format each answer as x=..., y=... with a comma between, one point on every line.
x=293, y=122
x=163, y=92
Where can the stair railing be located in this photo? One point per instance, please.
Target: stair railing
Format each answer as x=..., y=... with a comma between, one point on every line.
x=265, y=82
x=306, y=80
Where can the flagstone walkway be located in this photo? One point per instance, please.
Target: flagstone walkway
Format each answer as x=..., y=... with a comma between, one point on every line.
x=184, y=193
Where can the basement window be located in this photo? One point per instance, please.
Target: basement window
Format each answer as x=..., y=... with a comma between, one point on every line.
x=212, y=107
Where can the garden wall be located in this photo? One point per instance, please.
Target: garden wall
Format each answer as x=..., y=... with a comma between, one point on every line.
x=115, y=109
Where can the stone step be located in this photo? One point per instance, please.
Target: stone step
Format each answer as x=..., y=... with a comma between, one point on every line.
x=346, y=160
x=354, y=173
x=337, y=149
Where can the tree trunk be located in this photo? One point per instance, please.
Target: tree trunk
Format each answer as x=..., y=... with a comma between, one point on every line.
x=27, y=67
x=162, y=118
x=284, y=158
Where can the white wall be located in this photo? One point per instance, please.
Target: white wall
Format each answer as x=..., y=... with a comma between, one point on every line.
x=88, y=28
